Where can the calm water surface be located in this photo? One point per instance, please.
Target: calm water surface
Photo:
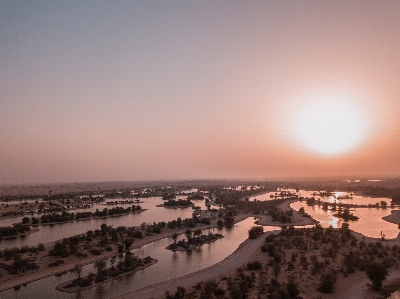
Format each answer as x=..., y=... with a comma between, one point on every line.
x=50, y=233
x=370, y=223
x=181, y=262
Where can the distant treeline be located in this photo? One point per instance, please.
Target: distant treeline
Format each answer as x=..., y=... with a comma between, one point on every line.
x=179, y=202
x=65, y=216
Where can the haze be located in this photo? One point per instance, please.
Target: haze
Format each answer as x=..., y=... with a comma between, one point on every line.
x=146, y=90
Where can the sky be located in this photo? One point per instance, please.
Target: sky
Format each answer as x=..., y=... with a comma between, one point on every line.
x=150, y=90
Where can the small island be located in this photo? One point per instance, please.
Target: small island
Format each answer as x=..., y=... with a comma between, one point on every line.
x=346, y=215
x=124, y=267
x=180, y=203
x=194, y=239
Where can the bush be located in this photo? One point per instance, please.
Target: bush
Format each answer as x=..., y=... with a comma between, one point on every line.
x=377, y=273
x=56, y=263
x=137, y=234
x=328, y=280
x=95, y=251
x=205, y=221
x=256, y=265
x=99, y=278
x=255, y=231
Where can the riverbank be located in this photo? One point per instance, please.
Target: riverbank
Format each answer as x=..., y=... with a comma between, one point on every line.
x=62, y=287
x=394, y=217
x=227, y=266
x=83, y=219
x=43, y=259
x=347, y=286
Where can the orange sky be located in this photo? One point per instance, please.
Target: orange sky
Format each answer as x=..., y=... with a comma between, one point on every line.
x=104, y=91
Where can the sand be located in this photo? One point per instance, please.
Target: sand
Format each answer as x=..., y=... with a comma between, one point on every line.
x=353, y=286
x=42, y=259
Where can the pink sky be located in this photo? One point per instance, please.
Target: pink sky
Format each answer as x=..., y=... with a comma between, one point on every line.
x=142, y=90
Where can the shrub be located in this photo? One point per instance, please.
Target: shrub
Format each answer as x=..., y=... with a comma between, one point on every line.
x=95, y=251
x=376, y=272
x=328, y=280
x=255, y=231
x=56, y=263
x=256, y=265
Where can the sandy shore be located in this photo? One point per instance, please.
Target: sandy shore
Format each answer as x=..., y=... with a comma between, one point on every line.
x=298, y=218
x=61, y=287
x=71, y=261
x=352, y=286
x=247, y=251
x=394, y=217
x=239, y=257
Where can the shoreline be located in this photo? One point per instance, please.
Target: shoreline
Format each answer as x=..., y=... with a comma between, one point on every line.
x=189, y=278
x=231, y=262
x=61, y=286
x=31, y=277
x=83, y=219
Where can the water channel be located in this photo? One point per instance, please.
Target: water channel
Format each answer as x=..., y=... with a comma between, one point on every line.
x=182, y=262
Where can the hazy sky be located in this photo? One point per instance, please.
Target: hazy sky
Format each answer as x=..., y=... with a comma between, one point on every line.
x=141, y=90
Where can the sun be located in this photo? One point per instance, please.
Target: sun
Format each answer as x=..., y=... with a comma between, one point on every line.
x=330, y=124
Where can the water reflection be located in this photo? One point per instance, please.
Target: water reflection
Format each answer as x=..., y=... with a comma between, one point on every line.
x=370, y=222
x=181, y=262
x=50, y=233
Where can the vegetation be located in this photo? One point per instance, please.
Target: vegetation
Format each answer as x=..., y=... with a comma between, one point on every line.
x=193, y=239
x=255, y=231
x=178, y=203
x=377, y=273
x=65, y=216
x=129, y=264
x=9, y=231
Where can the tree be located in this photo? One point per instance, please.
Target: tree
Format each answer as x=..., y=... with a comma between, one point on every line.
x=277, y=270
x=174, y=237
x=291, y=288
x=327, y=282
x=377, y=273
x=103, y=229
x=255, y=231
x=128, y=242
x=236, y=293
x=100, y=265
x=78, y=270
x=197, y=232
x=112, y=261
x=188, y=234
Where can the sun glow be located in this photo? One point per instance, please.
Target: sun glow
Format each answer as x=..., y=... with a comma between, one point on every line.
x=330, y=124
